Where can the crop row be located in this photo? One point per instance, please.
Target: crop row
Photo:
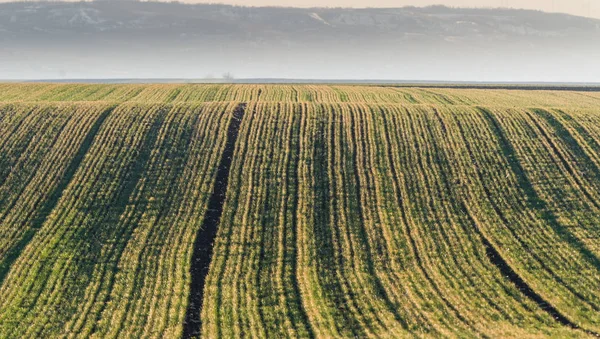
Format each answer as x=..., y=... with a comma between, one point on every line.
x=540, y=208
x=171, y=93
x=375, y=220
x=350, y=211
x=41, y=146
x=112, y=257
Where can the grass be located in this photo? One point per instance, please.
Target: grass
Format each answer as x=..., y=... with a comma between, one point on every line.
x=343, y=211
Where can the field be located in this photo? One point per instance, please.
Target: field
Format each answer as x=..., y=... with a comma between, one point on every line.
x=226, y=211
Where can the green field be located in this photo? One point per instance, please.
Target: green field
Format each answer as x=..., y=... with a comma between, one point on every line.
x=166, y=211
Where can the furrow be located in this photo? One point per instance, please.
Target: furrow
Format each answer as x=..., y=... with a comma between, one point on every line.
x=202, y=253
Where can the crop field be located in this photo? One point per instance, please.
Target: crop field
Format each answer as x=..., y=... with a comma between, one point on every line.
x=300, y=211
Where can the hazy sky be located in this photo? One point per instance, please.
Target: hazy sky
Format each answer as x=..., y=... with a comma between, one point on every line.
x=589, y=8
x=577, y=7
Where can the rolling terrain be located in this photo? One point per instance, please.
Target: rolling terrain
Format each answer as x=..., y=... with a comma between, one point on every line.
x=306, y=211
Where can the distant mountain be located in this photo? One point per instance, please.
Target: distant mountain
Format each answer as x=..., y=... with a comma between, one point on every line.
x=152, y=39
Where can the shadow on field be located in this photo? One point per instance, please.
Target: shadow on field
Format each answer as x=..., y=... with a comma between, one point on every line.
x=535, y=203
x=52, y=201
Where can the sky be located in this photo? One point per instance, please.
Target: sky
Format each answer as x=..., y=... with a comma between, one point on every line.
x=590, y=8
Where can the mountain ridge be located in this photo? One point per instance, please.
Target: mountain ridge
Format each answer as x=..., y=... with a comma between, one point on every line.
x=257, y=42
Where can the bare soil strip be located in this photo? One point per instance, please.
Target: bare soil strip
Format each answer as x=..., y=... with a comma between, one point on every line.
x=203, y=244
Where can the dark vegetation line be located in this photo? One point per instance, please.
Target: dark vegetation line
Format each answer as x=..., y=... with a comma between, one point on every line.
x=532, y=196
x=54, y=197
x=585, y=134
x=358, y=135
x=496, y=258
x=293, y=182
x=93, y=239
x=409, y=231
x=323, y=191
x=562, y=133
x=141, y=167
x=12, y=110
x=23, y=142
x=259, y=94
x=267, y=235
x=173, y=95
x=202, y=253
x=534, y=201
x=442, y=99
x=334, y=232
x=441, y=158
x=22, y=154
x=410, y=98
x=96, y=237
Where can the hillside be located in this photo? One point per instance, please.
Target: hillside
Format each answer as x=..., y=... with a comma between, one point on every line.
x=120, y=39
x=162, y=211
